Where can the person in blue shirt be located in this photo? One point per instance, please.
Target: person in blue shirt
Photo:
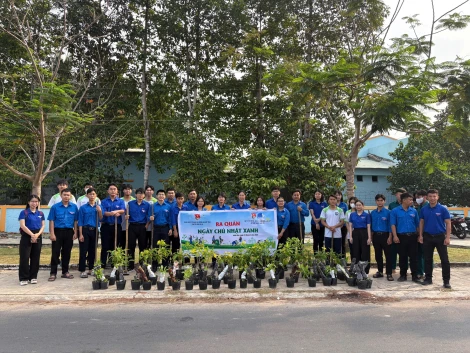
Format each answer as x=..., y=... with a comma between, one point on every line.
x=260, y=203
x=241, y=204
x=170, y=197
x=297, y=209
x=175, y=210
x=272, y=203
x=161, y=224
x=139, y=216
x=126, y=190
x=361, y=238
x=191, y=203
x=381, y=237
x=283, y=220
x=221, y=206
x=62, y=218
x=200, y=204
x=31, y=229
x=318, y=230
x=113, y=209
x=434, y=233
x=404, y=222
x=89, y=215
x=344, y=230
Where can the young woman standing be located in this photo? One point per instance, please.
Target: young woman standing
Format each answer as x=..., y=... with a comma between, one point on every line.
x=318, y=230
x=361, y=237
x=31, y=229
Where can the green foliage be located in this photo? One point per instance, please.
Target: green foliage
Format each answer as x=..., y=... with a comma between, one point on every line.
x=188, y=273
x=118, y=257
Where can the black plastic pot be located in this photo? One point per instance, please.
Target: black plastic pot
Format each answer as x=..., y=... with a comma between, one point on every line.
x=290, y=281
x=260, y=273
x=153, y=280
x=189, y=285
x=296, y=277
x=104, y=285
x=326, y=281
x=249, y=279
x=147, y=285
x=341, y=276
x=96, y=285
x=362, y=284
x=280, y=273
x=202, y=285
x=169, y=281
x=216, y=283
x=334, y=281
x=351, y=281
x=176, y=285
x=312, y=282
x=272, y=283
x=257, y=283
x=120, y=285
x=209, y=280
x=135, y=285
x=160, y=285
x=112, y=281
x=226, y=279
x=232, y=283
x=369, y=283
x=243, y=283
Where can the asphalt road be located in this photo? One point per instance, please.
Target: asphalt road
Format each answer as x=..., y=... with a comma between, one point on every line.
x=426, y=326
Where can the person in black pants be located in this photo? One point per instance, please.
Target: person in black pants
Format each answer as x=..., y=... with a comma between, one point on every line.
x=161, y=224
x=434, y=233
x=31, y=229
x=62, y=219
x=381, y=237
x=88, y=221
x=359, y=228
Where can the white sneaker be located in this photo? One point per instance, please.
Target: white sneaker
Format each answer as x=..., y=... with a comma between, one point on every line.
x=34, y=281
x=23, y=283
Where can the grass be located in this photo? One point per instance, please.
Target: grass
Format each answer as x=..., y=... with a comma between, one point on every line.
x=10, y=256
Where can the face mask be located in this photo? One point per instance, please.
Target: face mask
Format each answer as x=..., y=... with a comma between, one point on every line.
x=419, y=201
x=353, y=205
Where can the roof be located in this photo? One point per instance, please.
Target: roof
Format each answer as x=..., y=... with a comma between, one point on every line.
x=367, y=163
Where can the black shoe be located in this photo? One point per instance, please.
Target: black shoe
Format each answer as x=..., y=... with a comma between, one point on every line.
x=390, y=278
x=427, y=282
x=378, y=275
x=401, y=279
x=447, y=285
x=415, y=279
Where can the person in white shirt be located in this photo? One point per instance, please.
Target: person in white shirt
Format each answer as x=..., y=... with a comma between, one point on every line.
x=82, y=200
x=61, y=185
x=332, y=218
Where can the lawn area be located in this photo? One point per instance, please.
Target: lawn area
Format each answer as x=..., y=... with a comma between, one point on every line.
x=9, y=255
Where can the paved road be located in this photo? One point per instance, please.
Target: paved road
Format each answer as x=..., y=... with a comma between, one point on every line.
x=238, y=327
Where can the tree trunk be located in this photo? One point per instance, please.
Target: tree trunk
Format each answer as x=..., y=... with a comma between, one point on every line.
x=37, y=185
x=350, y=172
x=144, y=101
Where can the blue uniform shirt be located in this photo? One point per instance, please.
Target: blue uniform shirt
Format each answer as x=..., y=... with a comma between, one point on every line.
x=317, y=208
x=434, y=218
x=33, y=220
x=294, y=214
x=271, y=204
x=87, y=216
x=190, y=206
x=218, y=208
x=236, y=206
x=283, y=218
x=107, y=205
x=174, y=212
x=404, y=221
x=343, y=206
x=161, y=214
x=380, y=220
x=171, y=203
x=139, y=213
x=359, y=221
x=63, y=217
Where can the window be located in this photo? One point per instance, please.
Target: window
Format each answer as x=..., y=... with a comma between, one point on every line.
x=375, y=179
x=359, y=177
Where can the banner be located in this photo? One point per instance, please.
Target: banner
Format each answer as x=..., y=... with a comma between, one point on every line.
x=227, y=230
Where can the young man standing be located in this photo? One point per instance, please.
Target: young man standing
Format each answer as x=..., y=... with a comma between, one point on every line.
x=89, y=216
x=62, y=219
x=57, y=198
x=161, y=223
x=139, y=216
x=149, y=190
x=283, y=220
x=191, y=203
x=297, y=208
x=272, y=203
x=404, y=222
x=344, y=229
x=126, y=190
x=381, y=237
x=170, y=196
x=332, y=218
x=221, y=206
x=175, y=210
x=394, y=246
x=434, y=233
x=83, y=200
x=421, y=200
x=113, y=209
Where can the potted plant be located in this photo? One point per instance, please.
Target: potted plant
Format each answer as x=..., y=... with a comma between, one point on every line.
x=120, y=260
x=136, y=283
x=227, y=273
x=161, y=277
x=272, y=281
x=307, y=273
x=252, y=274
x=178, y=260
x=100, y=280
x=188, y=278
x=260, y=256
x=142, y=278
x=175, y=281
x=146, y=258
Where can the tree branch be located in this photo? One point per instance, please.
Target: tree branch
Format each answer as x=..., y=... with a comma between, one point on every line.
x=29, y=158
x=5, y=163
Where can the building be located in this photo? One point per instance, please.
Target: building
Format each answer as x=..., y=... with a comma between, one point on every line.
x=373, y=168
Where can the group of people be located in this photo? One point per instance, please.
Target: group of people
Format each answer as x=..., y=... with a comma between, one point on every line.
x=129, y=221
